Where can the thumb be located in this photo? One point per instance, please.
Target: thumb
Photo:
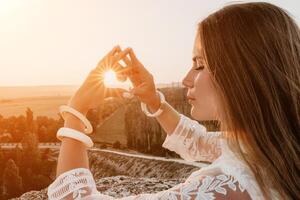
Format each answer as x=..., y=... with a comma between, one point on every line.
x=138, y=90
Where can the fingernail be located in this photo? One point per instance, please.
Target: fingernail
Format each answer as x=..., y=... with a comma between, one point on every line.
x=127, y=95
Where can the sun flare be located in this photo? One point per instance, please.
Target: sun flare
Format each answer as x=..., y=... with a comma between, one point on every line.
x=110, y=78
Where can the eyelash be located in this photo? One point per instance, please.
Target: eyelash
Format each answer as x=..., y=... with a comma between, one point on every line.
x=200, y=68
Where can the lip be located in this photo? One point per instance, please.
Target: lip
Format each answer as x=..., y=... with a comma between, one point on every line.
x=190, y=98
x=190, y=101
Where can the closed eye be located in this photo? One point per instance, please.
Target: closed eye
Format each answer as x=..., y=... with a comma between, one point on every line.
x=197, y=63
x=201, y=67
x=198, y=66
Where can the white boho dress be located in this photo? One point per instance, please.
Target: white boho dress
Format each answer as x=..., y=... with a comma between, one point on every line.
x=227, y=177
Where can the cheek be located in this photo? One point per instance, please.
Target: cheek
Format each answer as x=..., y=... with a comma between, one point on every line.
x=202, y=85
x=205, y=105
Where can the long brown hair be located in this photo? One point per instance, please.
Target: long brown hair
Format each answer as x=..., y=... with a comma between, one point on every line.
x=253, y=53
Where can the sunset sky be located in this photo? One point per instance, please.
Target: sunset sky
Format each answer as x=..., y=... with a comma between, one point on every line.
x=57, y=42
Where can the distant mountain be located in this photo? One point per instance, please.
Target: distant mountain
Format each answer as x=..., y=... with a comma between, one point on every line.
x=173, y=84
x=15, y=92
x=43, y=100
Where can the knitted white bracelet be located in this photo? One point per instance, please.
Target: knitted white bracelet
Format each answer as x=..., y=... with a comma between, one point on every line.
x=71, y=133
x=88, y=125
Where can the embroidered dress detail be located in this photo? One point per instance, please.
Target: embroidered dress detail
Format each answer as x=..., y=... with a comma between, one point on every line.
x=227, y=177
x=192, y=141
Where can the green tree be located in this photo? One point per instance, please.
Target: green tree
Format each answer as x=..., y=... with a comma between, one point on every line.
x=20, y=128
x=18, y=155
x=12, y=182
x=29, y=121
x=31, y=152
x=2, y=165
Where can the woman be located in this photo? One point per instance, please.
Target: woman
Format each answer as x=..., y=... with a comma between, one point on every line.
x=246, y=75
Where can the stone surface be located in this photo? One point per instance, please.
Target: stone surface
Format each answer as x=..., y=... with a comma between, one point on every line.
x=121, y=176
x=118, y=186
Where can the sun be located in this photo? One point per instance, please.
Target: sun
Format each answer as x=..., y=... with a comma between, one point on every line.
x=110, y=78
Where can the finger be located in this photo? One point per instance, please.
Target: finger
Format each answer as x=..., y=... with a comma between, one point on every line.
x=117, y=67
x=127, y=95
x=105, y=60
x=127, y=61
x=122, y=55
x=125, y=70
x=134, y=59
x=114, y=61
x=130, y=72
x=112, y=53
x=132, y=55
x=114, y=50
x=135, y=80
x=123, y=73
x=138, y=90
x=121, y=77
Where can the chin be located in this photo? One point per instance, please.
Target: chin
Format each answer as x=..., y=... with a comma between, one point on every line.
x=194, y=114
x=198, y=115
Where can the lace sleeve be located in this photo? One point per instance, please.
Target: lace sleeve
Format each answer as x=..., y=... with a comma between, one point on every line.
x=73, y=184
x=79, y=184
x=192, y=142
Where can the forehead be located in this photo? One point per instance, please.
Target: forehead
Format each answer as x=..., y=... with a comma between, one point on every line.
x=197, y=50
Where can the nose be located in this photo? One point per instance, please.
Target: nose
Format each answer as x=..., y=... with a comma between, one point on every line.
x=188, y=81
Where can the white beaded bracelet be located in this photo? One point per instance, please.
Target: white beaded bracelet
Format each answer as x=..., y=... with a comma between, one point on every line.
x=86, y=122
x=71, y=133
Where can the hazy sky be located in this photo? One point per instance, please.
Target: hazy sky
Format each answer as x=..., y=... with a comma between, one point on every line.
x=57, y=42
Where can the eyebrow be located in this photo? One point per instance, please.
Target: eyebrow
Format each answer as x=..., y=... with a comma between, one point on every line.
x=195, y=57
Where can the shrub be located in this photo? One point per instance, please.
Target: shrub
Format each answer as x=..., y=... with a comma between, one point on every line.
x=12, y=182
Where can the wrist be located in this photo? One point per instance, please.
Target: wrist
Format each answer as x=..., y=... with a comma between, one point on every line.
x=77, y=120
x=154, y=104
x=80, y=109
x=73, y=122
x=69, y=136
x=154, y=113
x=73, y=142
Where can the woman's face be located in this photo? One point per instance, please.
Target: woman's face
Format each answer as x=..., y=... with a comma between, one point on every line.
x=201, y=93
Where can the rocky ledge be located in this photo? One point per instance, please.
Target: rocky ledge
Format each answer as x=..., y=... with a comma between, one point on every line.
x=118, y=186
x=121, y=176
